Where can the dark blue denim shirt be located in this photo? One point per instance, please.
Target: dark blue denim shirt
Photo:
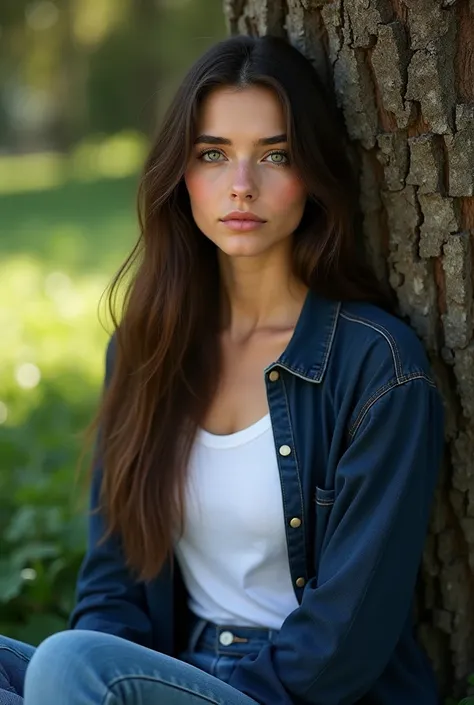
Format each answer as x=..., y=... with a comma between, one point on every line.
x=358, y=427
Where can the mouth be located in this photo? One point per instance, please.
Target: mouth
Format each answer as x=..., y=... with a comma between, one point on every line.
x=242, y=220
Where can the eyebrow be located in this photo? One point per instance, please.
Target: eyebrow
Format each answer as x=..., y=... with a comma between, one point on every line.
x=263, y=141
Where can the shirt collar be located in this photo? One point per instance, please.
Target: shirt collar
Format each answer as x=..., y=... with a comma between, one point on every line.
x=307, y=353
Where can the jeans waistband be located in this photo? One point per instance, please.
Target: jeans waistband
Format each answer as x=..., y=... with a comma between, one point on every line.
x=227, y=639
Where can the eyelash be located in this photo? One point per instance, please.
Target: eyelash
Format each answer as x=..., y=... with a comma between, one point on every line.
x=274, y=151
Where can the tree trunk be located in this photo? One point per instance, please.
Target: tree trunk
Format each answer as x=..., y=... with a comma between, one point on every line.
x=403, y=73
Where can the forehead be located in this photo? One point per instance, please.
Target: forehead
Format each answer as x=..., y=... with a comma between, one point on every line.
x=229, y=111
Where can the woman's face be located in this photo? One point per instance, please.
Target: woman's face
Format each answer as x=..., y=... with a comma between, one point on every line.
x=240, y=167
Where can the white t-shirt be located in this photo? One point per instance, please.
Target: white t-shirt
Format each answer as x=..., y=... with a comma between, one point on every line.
x=233, y=552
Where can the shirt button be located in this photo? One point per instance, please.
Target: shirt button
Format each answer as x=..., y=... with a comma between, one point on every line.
x=274, y=376
x=300, y=582
x=295, y=523
x=226, y=638
x=284, y=450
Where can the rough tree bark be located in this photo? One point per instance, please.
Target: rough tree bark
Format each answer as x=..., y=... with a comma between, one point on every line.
x=403, y=74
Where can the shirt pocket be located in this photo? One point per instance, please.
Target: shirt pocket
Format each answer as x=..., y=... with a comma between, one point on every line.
x=324, y=503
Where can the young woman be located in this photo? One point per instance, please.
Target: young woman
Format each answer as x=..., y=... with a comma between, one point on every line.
x=270, y=434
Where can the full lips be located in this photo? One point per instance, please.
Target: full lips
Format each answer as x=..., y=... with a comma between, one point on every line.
x=242, y=225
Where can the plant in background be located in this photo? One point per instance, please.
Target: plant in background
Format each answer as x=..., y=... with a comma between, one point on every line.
x=42, y=527
x=58, y=249
x=469, y=700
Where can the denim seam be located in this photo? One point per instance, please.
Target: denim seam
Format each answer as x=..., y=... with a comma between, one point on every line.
x=231, y=653
x=298, y=371
x=386, y=334
x=329, y=343
x=17, y=653
x=381, y=391
x=241, y=654
x=325, y=502
x=153, y=679
x=213, y=666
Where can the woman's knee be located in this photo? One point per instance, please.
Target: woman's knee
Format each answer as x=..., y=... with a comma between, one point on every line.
x=50, y=657
x=62, y=664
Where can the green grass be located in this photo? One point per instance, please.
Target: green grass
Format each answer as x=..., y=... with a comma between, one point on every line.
x=58, y=252
x=59, y=248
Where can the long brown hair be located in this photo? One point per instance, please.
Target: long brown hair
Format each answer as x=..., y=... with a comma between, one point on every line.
x=166, y=348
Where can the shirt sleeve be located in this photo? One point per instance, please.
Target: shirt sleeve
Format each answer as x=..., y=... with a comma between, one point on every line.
x=108, y=598
x=335, y=645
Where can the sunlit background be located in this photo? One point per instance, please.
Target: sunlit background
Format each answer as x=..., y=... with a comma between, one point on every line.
x=82, y=86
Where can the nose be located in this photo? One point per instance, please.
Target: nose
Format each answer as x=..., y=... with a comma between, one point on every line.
x=244, y=185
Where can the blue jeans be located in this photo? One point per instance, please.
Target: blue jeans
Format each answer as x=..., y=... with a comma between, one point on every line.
x=14, y=658
x=80, y=667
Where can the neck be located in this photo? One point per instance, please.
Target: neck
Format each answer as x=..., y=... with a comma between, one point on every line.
x=259, y=293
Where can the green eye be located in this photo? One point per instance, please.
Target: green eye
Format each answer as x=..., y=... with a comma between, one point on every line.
x=212, y=155
x=278, y=158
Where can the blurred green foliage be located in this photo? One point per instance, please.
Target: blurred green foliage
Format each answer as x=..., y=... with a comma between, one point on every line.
x=469, y=700
x=82, y=86
x=58, y=250
x=72, y=68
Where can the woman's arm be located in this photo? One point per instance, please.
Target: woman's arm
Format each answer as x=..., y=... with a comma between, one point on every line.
x=108, y=599
x=336, y=644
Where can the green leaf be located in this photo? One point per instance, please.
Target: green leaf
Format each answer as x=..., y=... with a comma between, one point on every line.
x=11, y=582
x=32, y=552
x=23, y=524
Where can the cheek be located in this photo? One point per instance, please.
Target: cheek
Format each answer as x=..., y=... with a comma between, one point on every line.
x=290, y=195
x=199, y=188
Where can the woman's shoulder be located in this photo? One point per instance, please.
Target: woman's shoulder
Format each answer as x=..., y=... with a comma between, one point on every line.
x=371, y=337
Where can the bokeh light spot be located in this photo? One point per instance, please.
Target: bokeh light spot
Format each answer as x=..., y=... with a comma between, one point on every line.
x=27, y=375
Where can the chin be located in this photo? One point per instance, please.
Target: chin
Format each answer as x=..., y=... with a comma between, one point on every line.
x=243, y=247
